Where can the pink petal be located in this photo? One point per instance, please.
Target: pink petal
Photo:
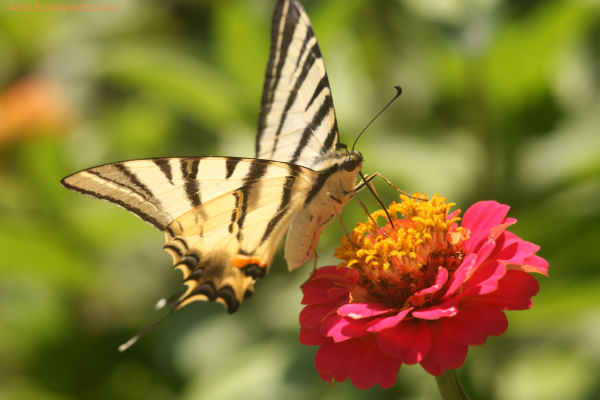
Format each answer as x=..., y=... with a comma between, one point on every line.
x=363, y=310
x=317, y=292
x=333, y=273
x=460, y=275
x=509, y=221
x=311, y=337
x=474, y=322
x=535, y=264
x=343, y=328
x=370, y=366
x=514, y=253
x=514, y=292
x=504, y=240
x=444, y=353
x=328, y=284
x=408, y=340
x=333, y=359
x=440, y=280
x=387, y=322
x=476, y=243
x=469, y=266
x=483, y=253
x=452, y=215
x=447, y=308
x=337, y=291
x=327, y=378
x=484, y=280
x=484, y=215
x=313, y=314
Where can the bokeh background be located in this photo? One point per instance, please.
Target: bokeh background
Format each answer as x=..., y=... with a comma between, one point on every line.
x=501, y=101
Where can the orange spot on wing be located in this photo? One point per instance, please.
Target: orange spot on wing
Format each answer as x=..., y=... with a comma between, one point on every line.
x=242, y=262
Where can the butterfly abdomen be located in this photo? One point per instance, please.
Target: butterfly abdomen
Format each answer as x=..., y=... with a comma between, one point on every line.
x=330, y=192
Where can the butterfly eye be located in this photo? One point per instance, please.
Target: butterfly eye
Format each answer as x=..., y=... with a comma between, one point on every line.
x=349, y=164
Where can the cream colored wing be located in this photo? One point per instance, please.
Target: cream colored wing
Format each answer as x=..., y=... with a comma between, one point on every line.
x=223, y=217
x=297, y=121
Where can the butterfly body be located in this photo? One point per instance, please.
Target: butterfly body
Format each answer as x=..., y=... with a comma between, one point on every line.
x=224, y=217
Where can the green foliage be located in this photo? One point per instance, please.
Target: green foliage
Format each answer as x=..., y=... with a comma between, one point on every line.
x=501, y=101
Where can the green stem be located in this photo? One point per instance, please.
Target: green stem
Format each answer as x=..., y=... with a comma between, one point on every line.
x=450, y=387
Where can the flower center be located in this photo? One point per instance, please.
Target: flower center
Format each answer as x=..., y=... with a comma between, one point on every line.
x=403, y=257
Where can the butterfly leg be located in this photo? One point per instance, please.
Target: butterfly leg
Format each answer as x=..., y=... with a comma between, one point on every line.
x=332, y=198
x=368, y=179
x=367, y=212
x=315, y=257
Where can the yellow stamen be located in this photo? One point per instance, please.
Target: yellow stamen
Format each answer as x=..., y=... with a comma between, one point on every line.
x=397, y=259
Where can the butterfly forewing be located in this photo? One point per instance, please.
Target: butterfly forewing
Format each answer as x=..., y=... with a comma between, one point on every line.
x=297, y=121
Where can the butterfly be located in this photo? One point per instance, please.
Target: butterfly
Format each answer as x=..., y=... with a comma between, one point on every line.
x=224, y=217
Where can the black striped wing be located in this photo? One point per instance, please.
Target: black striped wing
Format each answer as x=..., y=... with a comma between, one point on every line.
x=297, y=121
x=223, y=217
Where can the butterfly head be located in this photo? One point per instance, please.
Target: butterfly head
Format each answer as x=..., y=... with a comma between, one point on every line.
x=353, y=160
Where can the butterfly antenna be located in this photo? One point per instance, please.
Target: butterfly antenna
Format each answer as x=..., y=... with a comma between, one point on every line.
x=399, y=89
x=398, y=93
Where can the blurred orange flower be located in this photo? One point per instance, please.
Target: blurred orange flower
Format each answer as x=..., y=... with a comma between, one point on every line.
x=34, y=106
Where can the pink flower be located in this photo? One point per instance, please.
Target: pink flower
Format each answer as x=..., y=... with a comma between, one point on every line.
x=419, y=291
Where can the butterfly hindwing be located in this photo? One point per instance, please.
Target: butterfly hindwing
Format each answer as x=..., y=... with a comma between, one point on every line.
x=297, y=121
x=223, y=217
x=233, y=249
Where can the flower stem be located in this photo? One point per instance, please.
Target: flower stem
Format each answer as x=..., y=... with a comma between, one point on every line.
x=450, y=387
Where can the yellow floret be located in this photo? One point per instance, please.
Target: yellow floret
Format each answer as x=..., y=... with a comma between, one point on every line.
x=405, y=240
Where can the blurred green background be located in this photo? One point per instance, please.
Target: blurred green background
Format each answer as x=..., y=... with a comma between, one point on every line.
x=501, y=101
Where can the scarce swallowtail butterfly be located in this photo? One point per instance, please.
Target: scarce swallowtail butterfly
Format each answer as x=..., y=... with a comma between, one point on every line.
x=224, y=217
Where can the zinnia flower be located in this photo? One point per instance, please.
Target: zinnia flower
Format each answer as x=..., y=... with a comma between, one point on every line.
x=418, y=290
